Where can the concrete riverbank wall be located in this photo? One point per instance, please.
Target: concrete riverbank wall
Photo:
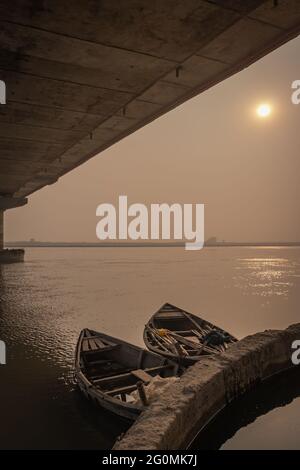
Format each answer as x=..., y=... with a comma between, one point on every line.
x=208, y=386
x=11, y=256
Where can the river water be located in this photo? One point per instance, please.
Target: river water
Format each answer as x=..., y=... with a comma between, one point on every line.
x=45, y=302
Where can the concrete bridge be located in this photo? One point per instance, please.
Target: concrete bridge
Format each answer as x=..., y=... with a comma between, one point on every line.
x=81, y=77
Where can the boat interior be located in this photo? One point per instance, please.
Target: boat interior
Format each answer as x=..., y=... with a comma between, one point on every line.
x=184, y=329
x=117, y=368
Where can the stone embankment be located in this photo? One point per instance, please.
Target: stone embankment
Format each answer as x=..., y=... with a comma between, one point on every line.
x=208, y=386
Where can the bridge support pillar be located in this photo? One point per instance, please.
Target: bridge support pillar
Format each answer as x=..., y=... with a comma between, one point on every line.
x=1, y=229
x=9, y=256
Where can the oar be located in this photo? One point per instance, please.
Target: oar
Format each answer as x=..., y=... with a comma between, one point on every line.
x=192, y=344
x=163, y=341
x=154, y=338
x=170, y=342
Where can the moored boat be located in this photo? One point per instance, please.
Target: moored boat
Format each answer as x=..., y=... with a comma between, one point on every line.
x=184, y=337
x=114, y=373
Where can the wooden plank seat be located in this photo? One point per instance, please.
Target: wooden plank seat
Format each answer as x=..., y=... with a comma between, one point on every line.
x=139, y=374
x=173, y=315
x=104, y=374
x=100, y=350
x=127, y=375
x=142, y=375
x=94, y=343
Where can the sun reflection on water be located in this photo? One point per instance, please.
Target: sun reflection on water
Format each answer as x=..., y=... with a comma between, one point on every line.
x=266, y=276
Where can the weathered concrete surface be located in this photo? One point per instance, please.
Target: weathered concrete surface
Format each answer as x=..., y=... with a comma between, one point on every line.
x=207, y=387
x=81, y=77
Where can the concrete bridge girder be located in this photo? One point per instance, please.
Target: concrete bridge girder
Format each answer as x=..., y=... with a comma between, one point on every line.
x=78, y=81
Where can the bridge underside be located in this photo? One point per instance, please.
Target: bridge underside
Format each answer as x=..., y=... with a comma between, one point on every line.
x=80, y=76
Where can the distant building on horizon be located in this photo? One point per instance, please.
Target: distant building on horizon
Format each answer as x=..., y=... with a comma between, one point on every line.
x=211, y=241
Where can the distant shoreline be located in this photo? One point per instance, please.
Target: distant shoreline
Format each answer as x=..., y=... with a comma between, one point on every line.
x=36, y=244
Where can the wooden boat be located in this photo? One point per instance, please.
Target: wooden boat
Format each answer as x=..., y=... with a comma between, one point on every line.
x=184, y=337
x=108, y=370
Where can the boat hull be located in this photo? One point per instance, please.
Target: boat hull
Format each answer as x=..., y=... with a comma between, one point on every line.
x=108, y=370
x=186, y=328
x=101, y=401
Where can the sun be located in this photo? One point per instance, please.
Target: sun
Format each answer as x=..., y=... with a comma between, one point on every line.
x=263, y=110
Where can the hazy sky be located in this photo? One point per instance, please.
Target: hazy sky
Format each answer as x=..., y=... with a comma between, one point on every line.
x=213, y=150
